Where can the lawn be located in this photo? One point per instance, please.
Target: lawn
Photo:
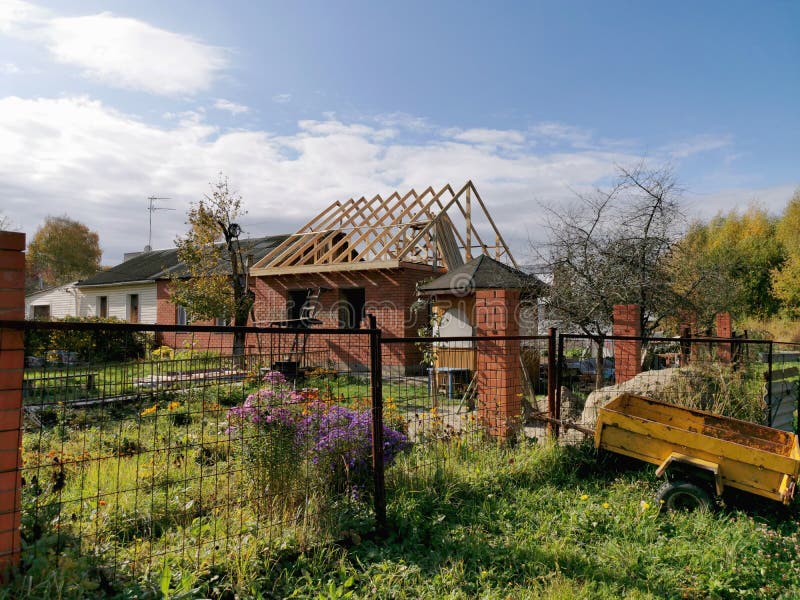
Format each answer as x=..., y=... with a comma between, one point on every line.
x=470, y=519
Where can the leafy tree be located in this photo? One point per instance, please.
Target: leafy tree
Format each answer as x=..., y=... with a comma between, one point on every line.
x=786, y=279
x=214, y=283
x=609, y=247
x=62, y=250
x=737, y=253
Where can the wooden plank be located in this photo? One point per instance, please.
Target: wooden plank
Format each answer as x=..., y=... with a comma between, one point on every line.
x=328, y=268
x=320, y=235
x=266, y=260
x=494, y=226
x=397, y=239
x=345, y=218
x=425, y=209
x=373, y=229
x=468, y=218
x=427, y=227
x=703, y=446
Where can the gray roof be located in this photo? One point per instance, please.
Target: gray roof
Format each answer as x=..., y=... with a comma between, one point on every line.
x=483, y=272
x=162, y=264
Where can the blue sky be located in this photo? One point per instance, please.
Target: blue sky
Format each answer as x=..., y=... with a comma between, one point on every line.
x=302, y=103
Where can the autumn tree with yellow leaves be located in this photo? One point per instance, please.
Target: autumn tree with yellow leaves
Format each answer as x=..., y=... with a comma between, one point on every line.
x=213, y=281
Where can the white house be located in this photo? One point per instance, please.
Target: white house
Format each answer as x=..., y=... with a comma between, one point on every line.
x=54, y=303
x=128, y=291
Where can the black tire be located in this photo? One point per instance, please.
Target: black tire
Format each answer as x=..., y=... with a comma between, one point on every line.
x=683, y=495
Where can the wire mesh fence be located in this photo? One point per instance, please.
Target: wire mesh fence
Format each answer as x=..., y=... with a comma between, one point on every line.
x=147, y=449
x=457, y=393
x=152, y=448
x=732, y=377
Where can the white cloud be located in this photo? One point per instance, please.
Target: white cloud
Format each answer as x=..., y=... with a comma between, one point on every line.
x=80, y=157
x=118, y=51
x=698, y=144
x=282, y=98
x=16, y=15
x=489, y=137
x=554, y=132
x=9, y=69
x=231, y=107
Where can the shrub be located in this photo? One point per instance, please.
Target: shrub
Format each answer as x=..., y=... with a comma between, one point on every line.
x=282, y=430
x=94, y=344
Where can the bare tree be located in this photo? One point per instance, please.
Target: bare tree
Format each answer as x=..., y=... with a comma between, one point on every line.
x=611, y=247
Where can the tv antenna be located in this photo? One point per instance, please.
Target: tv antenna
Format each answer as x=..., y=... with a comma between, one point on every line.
x=151, y=209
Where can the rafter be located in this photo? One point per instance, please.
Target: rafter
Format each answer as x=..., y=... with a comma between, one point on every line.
x=395, y=230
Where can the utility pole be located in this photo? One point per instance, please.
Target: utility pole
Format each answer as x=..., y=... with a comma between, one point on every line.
x=151, y=209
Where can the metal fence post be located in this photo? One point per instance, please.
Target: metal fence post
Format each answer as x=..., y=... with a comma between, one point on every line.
x=376, y=381
x=560, y=364
x=552, y=371
x=769, y=385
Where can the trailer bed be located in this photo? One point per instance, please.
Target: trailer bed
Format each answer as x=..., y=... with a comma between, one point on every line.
x=742, y=455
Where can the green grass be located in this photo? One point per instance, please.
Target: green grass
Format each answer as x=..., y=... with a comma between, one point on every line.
x=475, y=520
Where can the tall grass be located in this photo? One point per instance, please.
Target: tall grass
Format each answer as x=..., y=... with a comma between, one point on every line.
x=471, y=519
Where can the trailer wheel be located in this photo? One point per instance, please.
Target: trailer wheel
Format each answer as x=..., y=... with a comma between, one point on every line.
x=682, y=495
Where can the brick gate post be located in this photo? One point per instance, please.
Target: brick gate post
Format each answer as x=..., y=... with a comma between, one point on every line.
x=499, y=381
x=724, y=330
x=627, y=353
x=12, y=357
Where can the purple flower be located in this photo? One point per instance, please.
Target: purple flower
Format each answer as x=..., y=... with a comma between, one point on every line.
x=274, y=377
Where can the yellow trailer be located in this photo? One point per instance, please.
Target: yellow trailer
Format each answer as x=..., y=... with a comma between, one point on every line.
x=704, y=452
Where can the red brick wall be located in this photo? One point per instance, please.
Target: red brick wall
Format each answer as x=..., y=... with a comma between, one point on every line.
x=166, y=315
x=12, y=357
x=499, y=382
x=724, y=330
x=388, y=293
x=627, y=353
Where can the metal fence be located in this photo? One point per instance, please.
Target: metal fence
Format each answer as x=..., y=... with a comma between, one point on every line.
x=752, y=380
x=141, y=455
x=462, y=392
x=148, y=448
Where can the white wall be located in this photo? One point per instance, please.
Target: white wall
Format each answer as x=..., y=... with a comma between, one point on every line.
x=118, y=301
x=61, y=301
x=455, y=323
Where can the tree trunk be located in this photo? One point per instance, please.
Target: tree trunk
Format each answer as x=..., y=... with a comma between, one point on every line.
x=598, y=375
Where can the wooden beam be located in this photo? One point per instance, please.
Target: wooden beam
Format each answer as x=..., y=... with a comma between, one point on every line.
x=353, y=244
x=288, y=241
x=419, y=236
x=494, y=226
x=318, y=235
x=404, y=227
x=351, y=216
x=468, y=217
x=397, y=222
x=327, y=268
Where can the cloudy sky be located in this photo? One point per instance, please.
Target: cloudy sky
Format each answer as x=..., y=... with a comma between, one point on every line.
x=103, y=104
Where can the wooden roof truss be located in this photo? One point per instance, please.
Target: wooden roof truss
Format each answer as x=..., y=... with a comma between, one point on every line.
x=431, y=229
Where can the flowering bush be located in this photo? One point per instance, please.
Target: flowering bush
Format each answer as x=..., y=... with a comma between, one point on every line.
x=282, y=428
x=339, y=442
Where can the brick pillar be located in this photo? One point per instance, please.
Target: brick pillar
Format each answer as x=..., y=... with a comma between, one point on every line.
x=499, y=383
x=627, y=353
x=688, y=330
x=12, y=356
x=724, y=330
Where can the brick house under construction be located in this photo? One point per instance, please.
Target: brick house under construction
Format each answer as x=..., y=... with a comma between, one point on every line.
x=368, y=256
